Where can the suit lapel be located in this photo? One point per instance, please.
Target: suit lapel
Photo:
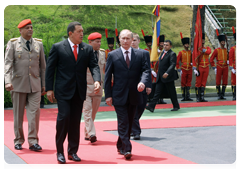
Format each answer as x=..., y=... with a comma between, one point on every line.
x=68, y=49
x=121, y=57
x=80, y=51
x=133, y=57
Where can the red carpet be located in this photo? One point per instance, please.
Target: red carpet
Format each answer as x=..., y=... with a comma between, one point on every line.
x=104, y=150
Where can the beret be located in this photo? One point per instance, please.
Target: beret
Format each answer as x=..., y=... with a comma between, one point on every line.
x=94, y=36
x=24, y=23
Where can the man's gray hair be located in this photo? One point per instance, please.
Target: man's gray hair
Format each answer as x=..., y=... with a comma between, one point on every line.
x=126, y=30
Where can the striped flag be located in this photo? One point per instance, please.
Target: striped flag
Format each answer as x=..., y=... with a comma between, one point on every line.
x=156, y=34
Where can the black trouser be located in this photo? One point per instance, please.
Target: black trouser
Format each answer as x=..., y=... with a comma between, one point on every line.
x=170, y=86
x=125, y=115
x=68, y=123
x=136, y=129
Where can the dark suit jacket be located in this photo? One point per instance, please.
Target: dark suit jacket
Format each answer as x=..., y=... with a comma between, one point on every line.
x=125, y=79
x=167, y=65
x=69, y=73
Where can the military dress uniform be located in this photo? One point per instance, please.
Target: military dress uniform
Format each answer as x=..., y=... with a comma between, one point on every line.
x=110, y=40
x=25, y=70
x=92, y=102
x=232, y=66
x=203, y=69
x=221, y=56
x=185, y=57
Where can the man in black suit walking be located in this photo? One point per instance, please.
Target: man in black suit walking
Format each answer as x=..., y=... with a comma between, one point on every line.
x=165, y=77
x=70, y=58
x=130, y=71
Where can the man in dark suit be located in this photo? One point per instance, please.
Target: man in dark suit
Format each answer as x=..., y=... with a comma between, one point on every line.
x=70, y=58
x=136, y=129
x=165, y=77
x=130, y=70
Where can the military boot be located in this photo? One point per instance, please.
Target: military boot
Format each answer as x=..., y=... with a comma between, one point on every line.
x=218, y=92
x=223, y=92
x=202, y=95
x=188, y=94
x=197, y=94
x=183, y=93
x=235, y=92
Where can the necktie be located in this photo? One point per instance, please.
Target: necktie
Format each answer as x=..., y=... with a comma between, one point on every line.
x=75, y=52
x=163, y=55
x=127, y=58
x=95, y=53
x=27, y=44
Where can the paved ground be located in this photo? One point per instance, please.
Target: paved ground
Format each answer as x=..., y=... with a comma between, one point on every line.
x=173, y=136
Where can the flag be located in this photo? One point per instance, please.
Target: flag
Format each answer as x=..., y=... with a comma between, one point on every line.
x=156, y=34
x=197, y=46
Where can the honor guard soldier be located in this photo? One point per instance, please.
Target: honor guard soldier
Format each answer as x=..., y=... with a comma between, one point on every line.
x=202, y=63
x=185, y=56
x=117, y=39
x=25, y=79
x=92, y=102
x=110, y=41
x=232, y=66
x=221, y=67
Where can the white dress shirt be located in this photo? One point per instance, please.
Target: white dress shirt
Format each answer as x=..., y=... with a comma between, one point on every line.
x=129, y=53
x=71, y=44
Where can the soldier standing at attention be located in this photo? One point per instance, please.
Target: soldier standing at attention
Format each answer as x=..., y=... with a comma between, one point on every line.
x=203, y=71
x=185, y=56
x=232, y=66
x=92, y=102
x=25, y=79
x=110, y=41
x=221, y=67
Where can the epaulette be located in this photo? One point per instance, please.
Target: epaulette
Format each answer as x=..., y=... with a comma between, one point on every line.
x=13, y=39
x=102, y=50
x=37, y=39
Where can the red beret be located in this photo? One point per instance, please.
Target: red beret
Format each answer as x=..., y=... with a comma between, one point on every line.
x=94, y=36
x=24, y=23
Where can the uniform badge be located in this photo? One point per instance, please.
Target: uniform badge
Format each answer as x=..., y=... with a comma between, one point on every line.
x=36, y=47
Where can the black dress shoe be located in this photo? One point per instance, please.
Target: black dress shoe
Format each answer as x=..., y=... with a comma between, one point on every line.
x=86, y=138
x=127, y=155
x=149, y=108
x=35, y=147
x=74, y=157
x=175, y=109
x=136, y=137
x=18, y=146
x=93, y=138
x=61, y=159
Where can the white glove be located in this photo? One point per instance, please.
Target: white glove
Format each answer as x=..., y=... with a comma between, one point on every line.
x=191, y=64
x=233, y=71
x=215, y=70
x=227, y=62
x=180, y=73
x=154, y=74
x=196, y=72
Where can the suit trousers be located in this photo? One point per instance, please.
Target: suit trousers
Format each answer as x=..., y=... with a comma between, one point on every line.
x=68, y=123
x=90, y=108
x=222, y=74
x=201, y=80
x=186, y=78
x=136, y=129
x=170, y=86
x=125, y=116
x=32, y=103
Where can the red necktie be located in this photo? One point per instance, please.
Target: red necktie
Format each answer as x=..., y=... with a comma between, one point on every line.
x=75, y=52
x=127, y=59
x=163, y=55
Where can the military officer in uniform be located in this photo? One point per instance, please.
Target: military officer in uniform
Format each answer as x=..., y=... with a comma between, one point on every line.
x=25, y=79
x=185, y=56
x=221, y=67
x=203, y=70
x=232, y=66
x=92, y=102
x=110, y=41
